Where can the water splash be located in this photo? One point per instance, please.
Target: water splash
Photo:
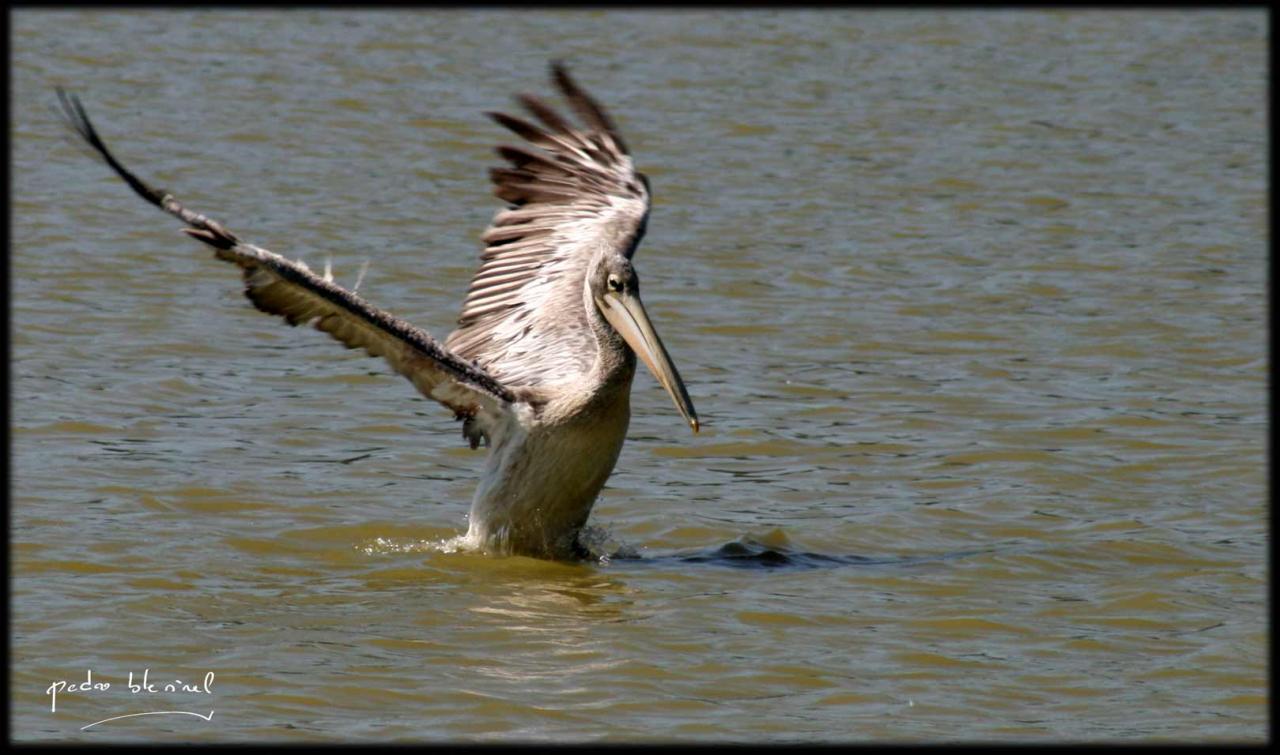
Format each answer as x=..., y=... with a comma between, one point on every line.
x=381, y=546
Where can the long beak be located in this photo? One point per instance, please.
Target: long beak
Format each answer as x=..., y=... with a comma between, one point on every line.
x=627, y=316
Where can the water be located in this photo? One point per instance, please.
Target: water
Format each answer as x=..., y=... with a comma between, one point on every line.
x=971, y=304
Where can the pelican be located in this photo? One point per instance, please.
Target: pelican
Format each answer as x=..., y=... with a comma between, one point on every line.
x=539, y=368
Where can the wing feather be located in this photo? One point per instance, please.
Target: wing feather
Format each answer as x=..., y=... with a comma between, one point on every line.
x=291, y=290
x=571, y=191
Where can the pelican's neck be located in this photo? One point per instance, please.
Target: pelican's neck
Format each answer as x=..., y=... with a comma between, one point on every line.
x=615, y=361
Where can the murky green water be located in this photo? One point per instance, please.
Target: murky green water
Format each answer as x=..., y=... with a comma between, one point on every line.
x=972, y=305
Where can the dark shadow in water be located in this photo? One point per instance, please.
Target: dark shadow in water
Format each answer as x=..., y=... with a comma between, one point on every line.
x=774, y=551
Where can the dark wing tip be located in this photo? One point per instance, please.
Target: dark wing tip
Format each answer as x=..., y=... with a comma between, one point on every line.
x=567, y=85
x=521, y=128
x=584, y=104
x=74, y=115
x=549, y=117
x=202, y=228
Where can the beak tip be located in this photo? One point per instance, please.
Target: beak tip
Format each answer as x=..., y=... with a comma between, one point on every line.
x=694, y=424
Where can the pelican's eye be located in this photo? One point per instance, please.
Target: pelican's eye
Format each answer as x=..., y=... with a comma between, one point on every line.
x=615, y=283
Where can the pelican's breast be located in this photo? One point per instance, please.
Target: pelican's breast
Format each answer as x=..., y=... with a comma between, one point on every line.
x=542, y=477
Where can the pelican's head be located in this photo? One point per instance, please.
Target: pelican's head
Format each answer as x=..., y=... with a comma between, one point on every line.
x=615, y=288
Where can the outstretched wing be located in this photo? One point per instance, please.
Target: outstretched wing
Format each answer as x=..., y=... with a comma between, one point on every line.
x=290, y=289
x=524, y=317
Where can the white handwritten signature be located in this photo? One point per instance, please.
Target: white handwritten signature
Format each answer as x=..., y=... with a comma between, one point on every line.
x=141, y=686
